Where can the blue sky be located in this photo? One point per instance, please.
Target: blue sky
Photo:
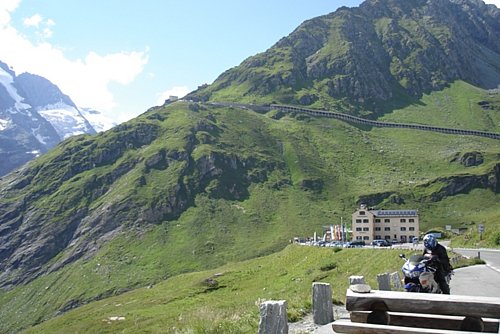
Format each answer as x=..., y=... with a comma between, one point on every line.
x=124, y=56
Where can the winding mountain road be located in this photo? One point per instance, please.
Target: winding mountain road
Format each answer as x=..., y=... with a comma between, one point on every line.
x=354, y=119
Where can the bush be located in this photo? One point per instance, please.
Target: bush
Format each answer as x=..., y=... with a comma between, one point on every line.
x=495, y=239
x=329, y=266
x=466, y=262
x=295, y=315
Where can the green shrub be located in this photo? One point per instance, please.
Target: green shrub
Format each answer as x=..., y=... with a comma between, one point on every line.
x=495, y=239
x=295, y=315
x=328, y=267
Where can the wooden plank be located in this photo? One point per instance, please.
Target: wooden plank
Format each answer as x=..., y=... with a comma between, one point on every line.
x=347, y=327
x=426, y=320
x=487, y=307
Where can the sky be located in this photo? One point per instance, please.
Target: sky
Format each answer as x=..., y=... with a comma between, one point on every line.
x=122, y=57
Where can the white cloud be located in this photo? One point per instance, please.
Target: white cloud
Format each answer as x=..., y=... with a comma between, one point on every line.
x=86, y=80
x=179, y=91
x=7, y=7
x=33, y=21
x=493, y=2
x=46, y=33
x=44, y=26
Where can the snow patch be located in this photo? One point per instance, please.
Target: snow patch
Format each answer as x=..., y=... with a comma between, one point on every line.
x=98, y=121
x=36, y=153
x=38, y=136
x=4, y=124
x=7, y=80
x=66, y=119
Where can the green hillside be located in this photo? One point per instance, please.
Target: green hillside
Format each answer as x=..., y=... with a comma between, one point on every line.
x=300, y=173
x=225, y=299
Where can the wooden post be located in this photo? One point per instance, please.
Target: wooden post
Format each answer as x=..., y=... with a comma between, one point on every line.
x=384, y=282
x=273, y=317
x=322, y=303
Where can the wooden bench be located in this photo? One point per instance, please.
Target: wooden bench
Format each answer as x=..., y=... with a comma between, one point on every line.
x=404, y=312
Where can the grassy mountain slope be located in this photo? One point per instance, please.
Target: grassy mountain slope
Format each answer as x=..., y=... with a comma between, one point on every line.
x=299, y=174
x=371, y=59
x=225, y=299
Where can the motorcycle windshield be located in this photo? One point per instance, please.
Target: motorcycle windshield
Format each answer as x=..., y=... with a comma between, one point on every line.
x=415, y=259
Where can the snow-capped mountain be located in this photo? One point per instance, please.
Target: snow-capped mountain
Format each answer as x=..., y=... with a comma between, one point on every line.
x=48, y=100
x=34, y=117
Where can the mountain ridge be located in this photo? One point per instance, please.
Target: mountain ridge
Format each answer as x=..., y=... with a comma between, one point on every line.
x=362, y=59
x=34, y=116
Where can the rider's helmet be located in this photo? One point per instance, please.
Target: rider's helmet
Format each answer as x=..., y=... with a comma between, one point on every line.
x=430, y=241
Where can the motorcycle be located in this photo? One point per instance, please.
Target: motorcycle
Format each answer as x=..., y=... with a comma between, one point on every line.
x=419, y=273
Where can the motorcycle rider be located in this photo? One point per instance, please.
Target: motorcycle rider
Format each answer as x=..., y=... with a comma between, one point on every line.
x=439, y=253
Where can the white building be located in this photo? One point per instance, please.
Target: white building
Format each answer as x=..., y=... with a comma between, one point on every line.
x=400, y=225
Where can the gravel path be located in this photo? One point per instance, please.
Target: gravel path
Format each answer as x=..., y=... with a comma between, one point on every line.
x=306, y=325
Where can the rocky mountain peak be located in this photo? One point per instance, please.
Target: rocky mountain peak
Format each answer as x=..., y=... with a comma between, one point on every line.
x=40, y=92
x=34, y=116
x=368, y=58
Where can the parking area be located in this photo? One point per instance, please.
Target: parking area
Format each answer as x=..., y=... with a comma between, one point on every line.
x=361, y=244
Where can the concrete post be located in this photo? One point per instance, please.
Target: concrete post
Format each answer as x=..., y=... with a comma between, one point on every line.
x=356, y=280
x=273, y=317
x=384, y=282
x=396, y=281
x=322, y=303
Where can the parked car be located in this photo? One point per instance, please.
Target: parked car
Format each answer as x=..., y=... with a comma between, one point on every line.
x=354, y=243
x=381, y=243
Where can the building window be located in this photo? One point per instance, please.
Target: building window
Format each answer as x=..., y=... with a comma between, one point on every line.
x=361, y=213
x=366, y=229
x=387, y=229
x=365, y=220
x=411, y=229
x=366, y=238
x=378, y=229
x=377, y=220
x=378, y=237
x=402, y=220
x=403, y=228
x=387, y=220
x=411, y=220
x=359, y=238
x=358, y=221
x=359, y=229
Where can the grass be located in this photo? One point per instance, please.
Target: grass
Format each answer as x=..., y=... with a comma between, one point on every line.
x=226, y=299
x=180, y=304
x=457, y=106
